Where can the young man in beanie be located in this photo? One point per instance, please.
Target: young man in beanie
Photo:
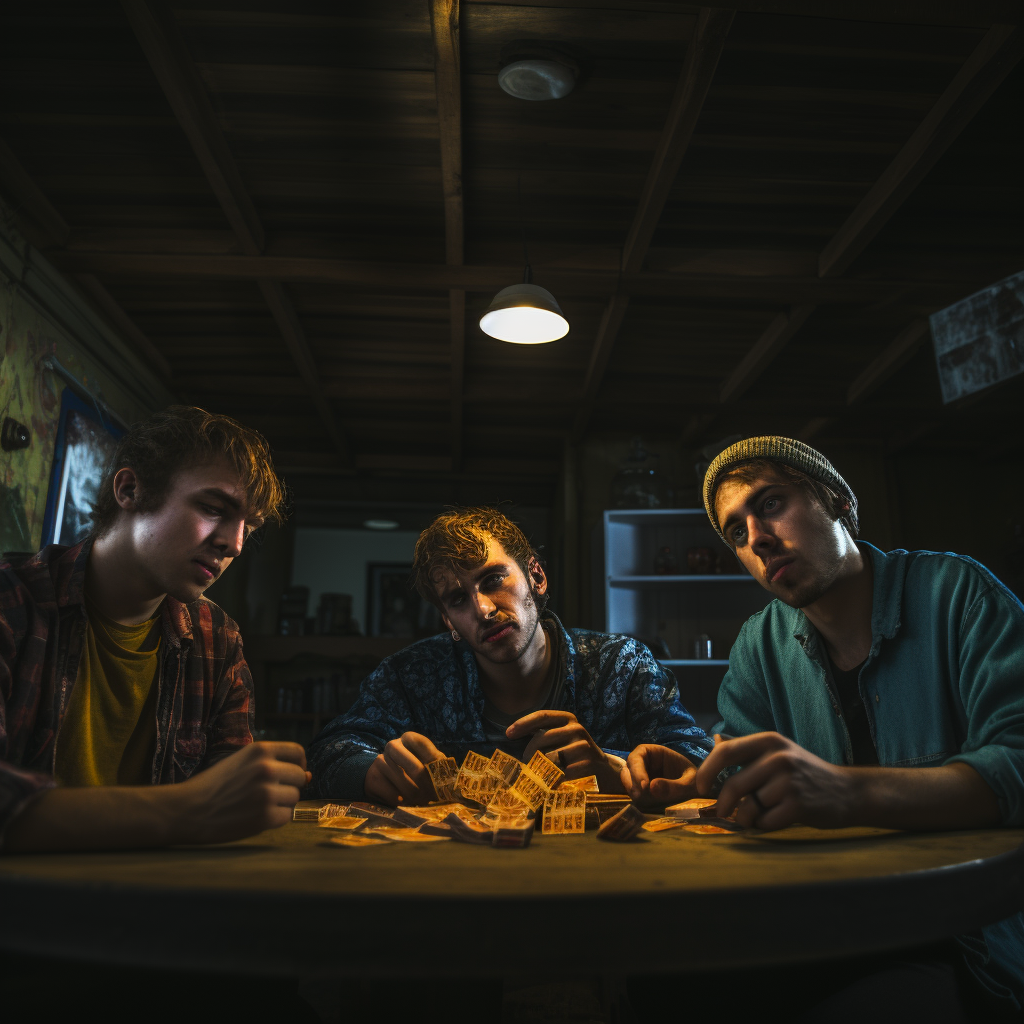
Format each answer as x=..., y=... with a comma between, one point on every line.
x=877, y=689
x=117, y=674
x=507, y=675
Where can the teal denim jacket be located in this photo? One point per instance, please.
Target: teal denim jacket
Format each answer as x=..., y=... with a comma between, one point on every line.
x=943, y=682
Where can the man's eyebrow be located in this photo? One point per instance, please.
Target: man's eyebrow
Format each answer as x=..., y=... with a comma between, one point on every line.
x=752, y=499
x=216, y=492
x=478, y=574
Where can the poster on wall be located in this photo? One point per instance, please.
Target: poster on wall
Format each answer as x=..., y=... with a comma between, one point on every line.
x=393, y=608
x=85, y=446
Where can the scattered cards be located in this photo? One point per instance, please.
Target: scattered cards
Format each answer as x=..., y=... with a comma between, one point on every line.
x=624, y=825
x=342, y=822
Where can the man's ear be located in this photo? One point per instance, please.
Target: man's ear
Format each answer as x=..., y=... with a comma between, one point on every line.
x=538, y=579
x=126, y=489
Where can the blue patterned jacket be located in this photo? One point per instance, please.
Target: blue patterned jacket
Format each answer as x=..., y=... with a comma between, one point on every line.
x=612, y=684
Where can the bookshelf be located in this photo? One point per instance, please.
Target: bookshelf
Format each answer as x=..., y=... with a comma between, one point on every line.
x=677, y=607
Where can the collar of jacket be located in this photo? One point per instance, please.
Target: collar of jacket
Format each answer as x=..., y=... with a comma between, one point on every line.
x=69, y=569
x=889, y=572
x=564, y=650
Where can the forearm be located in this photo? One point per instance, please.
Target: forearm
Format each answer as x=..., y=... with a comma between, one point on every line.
x=952, y=796
x=99, y=818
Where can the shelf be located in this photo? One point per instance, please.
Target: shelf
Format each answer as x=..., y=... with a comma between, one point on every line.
x=284, y=648
x=648, y=516
x=693, y=662
x=650, y=581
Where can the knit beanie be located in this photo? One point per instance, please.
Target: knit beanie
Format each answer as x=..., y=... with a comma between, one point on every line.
x=776, y=449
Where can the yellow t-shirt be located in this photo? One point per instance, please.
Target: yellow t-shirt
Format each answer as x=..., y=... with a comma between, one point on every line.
x=108, y=736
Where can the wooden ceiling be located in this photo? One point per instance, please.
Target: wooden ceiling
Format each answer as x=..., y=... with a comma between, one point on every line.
x=298, y=210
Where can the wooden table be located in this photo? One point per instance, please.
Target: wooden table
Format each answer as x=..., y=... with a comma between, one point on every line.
x=287, y=902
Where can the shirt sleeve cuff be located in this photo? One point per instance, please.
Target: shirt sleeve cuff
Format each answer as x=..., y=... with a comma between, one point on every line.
x=1003, y=769
x=344, y=779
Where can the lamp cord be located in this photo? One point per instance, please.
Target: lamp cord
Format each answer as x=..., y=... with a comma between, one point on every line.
x=527, y=275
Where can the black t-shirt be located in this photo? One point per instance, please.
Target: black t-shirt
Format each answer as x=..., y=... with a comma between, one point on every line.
x=854, y=715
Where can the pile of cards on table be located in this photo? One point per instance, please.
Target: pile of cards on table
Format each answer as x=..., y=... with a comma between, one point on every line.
x=495, y=801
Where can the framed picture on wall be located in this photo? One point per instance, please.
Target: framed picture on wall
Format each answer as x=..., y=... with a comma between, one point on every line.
x=85, y=445
x=393, y=608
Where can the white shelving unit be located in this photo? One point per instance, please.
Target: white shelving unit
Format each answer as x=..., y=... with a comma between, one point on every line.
x=677, y=609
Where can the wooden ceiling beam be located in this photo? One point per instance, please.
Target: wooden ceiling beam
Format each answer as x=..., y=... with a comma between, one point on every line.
x=158, y=35
x=111, y=309
x=35, y=205
x=954, y=13
x=894, y=356
x=20, y=187
x=444, y=25
x=765, y=349
x=295, y=338
x=577, y=282
x=702, y=56
x=989, y=63
x=604, y=339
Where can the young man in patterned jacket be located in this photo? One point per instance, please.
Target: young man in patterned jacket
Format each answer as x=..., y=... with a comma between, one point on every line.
x=507, y=675
x=117, y=674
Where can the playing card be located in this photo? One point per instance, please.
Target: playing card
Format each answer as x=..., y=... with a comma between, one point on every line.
x=690, y=808
x=306, y=814
x=375, y=814
x=588, y=784
x=470, y=830
x=358, y=839
x=623, y=825
x=342, y=822
x=531, y=788
x=504, y=767
x=443, y=773
x=546, y=770
x=332, y=811
x=564, y=812
x=661, y=824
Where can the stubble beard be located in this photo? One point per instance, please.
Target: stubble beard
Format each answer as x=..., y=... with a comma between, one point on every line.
x=529, y=624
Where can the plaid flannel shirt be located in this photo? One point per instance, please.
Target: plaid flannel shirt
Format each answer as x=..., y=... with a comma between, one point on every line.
x=204, y=689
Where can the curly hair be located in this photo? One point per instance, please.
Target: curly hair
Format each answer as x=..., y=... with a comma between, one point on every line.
x=182, y=435
x=457, y=540
x=834, y=504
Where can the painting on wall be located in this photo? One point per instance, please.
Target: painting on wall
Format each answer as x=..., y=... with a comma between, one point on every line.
x=980, y=341
x=85, y=446
x=393, y=608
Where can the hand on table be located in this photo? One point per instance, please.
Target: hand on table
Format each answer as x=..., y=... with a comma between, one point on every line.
x=249, y=791
x=399, y=775
x=780, y=784
x=659, y=775
x=559, y=736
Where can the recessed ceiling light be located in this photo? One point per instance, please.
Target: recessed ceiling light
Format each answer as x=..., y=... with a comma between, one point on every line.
x=537, y=79
x=380, y=524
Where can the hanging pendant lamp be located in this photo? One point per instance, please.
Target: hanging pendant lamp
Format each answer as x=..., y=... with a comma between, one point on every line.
x=524, y=314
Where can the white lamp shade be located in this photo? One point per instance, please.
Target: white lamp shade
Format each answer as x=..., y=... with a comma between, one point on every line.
x=524, y=314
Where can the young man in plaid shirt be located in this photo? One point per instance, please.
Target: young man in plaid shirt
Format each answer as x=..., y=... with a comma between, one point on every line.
x=125, y=702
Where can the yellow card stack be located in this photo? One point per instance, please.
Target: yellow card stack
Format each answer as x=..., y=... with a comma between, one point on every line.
x=332, y=811
x=564, y=812
x=471, y=783
x=443, y=773
x=537, y=780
